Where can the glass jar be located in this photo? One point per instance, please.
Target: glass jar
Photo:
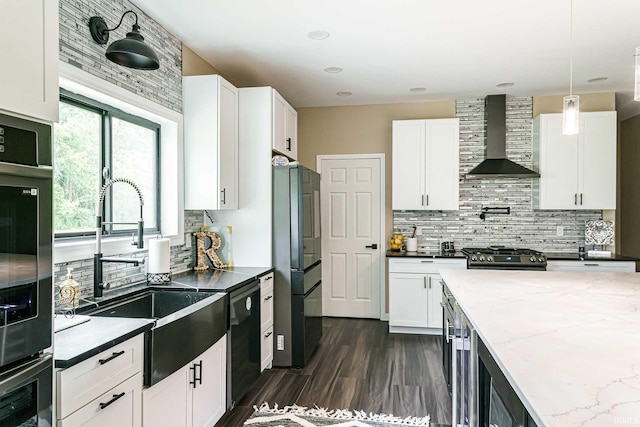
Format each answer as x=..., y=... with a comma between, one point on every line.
x=396, y=240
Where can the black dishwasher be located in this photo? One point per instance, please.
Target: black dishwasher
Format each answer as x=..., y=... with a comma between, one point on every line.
x=244, y=337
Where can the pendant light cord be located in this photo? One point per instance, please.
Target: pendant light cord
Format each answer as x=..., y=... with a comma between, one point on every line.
x=134, y=14
x=571, y=52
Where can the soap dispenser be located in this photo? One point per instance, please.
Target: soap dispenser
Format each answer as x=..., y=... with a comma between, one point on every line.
x=70, y=290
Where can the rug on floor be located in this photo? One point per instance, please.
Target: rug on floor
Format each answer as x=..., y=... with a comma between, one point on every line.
x=300, y=416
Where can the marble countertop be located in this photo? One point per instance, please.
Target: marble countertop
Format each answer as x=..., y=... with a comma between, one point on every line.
x=575, y=256
x=567, y=342
x=78, y=343
x=226, y=280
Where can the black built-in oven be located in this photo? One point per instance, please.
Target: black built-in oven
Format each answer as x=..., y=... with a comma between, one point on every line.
x=25, y=239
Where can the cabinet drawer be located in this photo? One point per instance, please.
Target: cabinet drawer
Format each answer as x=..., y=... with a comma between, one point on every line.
x=592, y=265
x=266, y=349
x=121, y=406
x=425, y=265
x=266, y=283
x=89, y=379
x=266, y=311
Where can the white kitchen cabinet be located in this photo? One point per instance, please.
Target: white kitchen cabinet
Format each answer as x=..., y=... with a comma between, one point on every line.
x=425, y=164
x=576, y=171
x=120, y=406
x=415, y=294
x=285, y=127
x=29, y=77
x=592, y=265
x=194, y=396
x=210, y=143
x=103, y=390
x=266, y=320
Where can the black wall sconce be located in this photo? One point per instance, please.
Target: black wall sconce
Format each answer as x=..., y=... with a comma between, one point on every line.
x=131, y=51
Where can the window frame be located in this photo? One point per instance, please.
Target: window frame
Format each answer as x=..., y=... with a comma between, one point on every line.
x=107, y=113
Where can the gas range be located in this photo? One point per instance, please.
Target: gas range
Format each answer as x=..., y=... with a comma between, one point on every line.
x=503, y=258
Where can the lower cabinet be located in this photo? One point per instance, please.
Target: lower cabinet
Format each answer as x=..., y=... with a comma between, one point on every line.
x=592, y=265
x=120, y=407
x=415, y=294
x=266, y=321
x=103, y=390
x=193, y=396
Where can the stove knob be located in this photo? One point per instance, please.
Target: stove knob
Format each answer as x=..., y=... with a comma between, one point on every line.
x=540, y=259
x=481, y=257
x=532, y=259
x=489, y=258
x=474, y=258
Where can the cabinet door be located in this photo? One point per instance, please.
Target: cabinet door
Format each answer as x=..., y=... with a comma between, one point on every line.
x=597, y=174
x=266, y=310
x=434, y=288
x=209, y=393
x=168, y=403
x=442, y=165
x=408, y=300
x=120, y=407
x=228, y=145
x=558, y=182
x=408, y=162
x=29, y=77
x=266, y=350
x=291, y=136
x=279, y=124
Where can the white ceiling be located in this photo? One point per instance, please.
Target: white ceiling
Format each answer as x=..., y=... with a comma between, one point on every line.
x=454, y=48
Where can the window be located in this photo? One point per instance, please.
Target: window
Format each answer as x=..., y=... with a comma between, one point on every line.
x=95, y=142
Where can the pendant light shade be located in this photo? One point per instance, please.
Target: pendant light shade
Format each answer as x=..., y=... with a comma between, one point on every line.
x=131, y=51
x=571, y=103
x=636, y=95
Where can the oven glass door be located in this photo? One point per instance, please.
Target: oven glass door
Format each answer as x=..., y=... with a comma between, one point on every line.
x=26, y=395
x=18, y=243
x=25, y=262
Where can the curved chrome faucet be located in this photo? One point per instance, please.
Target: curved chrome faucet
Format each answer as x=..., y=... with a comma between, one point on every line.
x=98, y=259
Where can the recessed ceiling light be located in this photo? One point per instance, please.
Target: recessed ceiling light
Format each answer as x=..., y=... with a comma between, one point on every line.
x=344, y=93
x=318, y=35
x=418, y=89
x=597, y=79
x=505, y=84
x=333, y=70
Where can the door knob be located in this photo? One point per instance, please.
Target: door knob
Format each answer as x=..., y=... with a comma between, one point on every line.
x=372, y=246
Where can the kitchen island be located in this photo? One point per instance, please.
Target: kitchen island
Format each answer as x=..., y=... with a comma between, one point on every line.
x=568, y=343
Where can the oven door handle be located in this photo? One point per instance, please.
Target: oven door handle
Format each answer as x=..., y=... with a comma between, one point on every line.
x=11, y=380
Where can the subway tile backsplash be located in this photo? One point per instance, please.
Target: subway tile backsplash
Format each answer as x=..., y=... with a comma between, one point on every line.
x=524, y=227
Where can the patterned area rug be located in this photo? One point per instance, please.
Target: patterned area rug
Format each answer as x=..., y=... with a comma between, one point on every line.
x=299, y=416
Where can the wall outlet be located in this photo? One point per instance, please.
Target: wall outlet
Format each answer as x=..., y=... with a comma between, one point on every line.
x=280, y=343
x=559, y=231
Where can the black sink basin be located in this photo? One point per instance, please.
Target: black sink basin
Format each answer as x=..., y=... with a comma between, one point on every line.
x=187, y=324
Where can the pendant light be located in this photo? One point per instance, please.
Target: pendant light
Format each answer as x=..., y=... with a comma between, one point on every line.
x=131, y=51
x=636, y=95
x=571, y=103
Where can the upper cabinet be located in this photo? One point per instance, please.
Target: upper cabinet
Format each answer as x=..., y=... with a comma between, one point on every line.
x=210, y=143
x=29, y=77
x=425, y=162
x=576, y=171
x=285, y=127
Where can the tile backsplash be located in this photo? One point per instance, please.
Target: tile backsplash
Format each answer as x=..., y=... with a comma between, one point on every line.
x=524, y=227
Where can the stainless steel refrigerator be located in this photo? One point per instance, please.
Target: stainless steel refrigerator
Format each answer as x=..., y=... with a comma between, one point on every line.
x=296, y=257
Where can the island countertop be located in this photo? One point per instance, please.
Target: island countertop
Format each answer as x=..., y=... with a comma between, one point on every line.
x=568, y=343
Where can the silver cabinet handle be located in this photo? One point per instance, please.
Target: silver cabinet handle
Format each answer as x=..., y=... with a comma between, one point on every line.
x=427, y=261
x=268, y=298
x=425, y=281
x=581, y=198
x=427, y=200
x=429, y=282
x=224, y=196
x=591, y=264
x=268, y=335
x=422, y=200
x=575, y=198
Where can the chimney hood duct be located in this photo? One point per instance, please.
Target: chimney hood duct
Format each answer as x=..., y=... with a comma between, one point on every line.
x=496, y=165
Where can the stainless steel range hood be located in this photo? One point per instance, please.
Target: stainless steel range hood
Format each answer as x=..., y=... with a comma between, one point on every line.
x=496, y=165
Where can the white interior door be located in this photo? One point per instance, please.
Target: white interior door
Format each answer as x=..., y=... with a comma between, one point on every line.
x=352, y=206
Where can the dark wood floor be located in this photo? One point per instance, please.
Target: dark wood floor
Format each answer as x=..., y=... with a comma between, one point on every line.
x=359, y=365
